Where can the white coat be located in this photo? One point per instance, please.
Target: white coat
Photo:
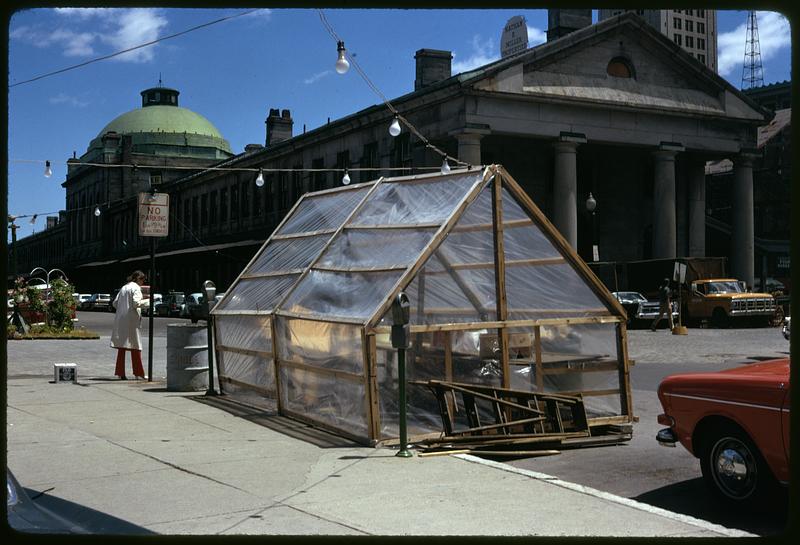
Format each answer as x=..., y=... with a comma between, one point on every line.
x=129, y=302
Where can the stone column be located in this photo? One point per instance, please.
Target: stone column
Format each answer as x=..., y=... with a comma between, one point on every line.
x=742, y=243
x=469, y=148
x=664, y=241
x=565, y=187
x=697, y=207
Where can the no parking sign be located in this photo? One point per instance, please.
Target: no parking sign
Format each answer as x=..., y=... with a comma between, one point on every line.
x=153, y=214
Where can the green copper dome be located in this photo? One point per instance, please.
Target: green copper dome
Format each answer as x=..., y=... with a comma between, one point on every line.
x=162, y=128
x=162, y=119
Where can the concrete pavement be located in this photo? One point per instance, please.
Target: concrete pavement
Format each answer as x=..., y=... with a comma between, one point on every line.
x=131, y=457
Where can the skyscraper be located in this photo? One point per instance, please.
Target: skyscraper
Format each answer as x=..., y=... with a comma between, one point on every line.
x=695, y=30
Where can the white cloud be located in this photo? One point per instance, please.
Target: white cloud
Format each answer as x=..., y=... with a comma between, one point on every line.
x=117, y=29
x=774, y=34
x=536, y=36
x=316, y=77
x=263, y=14
x=483, y=52
x=61, y=98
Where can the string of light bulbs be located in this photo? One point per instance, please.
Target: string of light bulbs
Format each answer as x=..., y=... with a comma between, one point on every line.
x=342, y=67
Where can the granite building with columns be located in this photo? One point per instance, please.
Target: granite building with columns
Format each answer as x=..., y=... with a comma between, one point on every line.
x=616, y=109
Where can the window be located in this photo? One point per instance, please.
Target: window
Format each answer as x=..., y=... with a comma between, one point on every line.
x=640, y=12
x=676, y=10
x=619, y=67
x=676, y=23
x=689, y=41
x=701, y=43
x=701, y=58
x=701, y=13
x=235, y=200
x=369, y=159
x=284, y=195
x=212, y=208
x=223, y=204
x=297, y=182
x=244, y=199
x=318, y=178
x=204, y=210
x=402, y=150
x=701, y=28
x=342, y=162
x=677, y=39
x=195, y=214
x=259, y=193
x=187, y=215
x=689, y=26
x=155, y=178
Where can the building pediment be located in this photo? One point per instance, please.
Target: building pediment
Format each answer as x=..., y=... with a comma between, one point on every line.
x=620, y=62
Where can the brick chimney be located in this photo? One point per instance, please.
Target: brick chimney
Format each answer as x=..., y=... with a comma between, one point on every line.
x=432, y=65
x=561, y=22
x=279, y=126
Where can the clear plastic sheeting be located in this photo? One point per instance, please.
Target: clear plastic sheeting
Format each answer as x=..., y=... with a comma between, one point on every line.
x=443, y=300
x=288, y=254
x=416, y=202
x=545, y=291
x=345, y=295
x=375, y=248
x=247, y=370
x=256, y=294
x=323, y=212
x=247, y=332
x=325, y=398
x=320, y=344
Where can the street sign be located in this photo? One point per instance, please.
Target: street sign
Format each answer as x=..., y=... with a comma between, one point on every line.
x=153, y=214
x=679, y=272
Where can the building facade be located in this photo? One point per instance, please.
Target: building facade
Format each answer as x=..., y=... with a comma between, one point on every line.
x=695, y=30
x=617, y=110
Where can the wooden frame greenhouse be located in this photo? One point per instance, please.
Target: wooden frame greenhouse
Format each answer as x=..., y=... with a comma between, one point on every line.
x=498, y=298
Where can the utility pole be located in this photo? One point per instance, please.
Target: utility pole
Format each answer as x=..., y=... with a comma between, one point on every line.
x=753, y=71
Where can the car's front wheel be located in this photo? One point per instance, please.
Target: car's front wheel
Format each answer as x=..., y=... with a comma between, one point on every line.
x=733, y=467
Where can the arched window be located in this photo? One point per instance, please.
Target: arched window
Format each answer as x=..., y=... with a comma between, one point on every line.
x=620, y=67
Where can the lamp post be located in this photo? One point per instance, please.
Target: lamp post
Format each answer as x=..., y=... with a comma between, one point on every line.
x=591, y=205
x=210, y=291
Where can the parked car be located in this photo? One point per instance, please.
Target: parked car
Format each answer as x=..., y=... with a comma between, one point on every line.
x=97, y=301
x=736, y=422
x=192, y=300
x=81, y=299
x=27, y=516
x=640, y=310
x=157, y=298
x=199, y=311
x=787, y=326
x=171, y=304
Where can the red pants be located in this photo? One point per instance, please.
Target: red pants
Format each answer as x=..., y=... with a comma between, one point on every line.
x=136, y=358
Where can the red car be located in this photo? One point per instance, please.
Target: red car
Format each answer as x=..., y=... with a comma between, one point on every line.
x=736, y=422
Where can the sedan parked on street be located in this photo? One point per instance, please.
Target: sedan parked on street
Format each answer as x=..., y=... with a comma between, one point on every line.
x=171, y=305
x=736, y=422
x=640, y=310
x=787, y=327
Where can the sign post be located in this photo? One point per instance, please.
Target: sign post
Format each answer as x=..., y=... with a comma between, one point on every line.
x=679, y=276
x=153, y=222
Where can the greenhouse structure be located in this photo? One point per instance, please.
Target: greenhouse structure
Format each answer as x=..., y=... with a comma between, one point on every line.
x=497, y=297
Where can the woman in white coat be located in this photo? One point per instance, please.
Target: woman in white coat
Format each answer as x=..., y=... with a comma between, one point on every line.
x=129, y=302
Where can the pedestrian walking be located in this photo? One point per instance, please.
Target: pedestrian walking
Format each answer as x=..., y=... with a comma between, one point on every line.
x=125, y=337
x=665, y=305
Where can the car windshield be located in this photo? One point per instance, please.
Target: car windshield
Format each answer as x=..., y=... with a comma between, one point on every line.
x=723, y=287
x=630, y=297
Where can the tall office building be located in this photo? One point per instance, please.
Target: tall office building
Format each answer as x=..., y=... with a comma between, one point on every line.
x=695, y=30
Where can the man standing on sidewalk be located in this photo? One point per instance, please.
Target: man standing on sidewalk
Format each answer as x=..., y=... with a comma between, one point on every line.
x=665, y=305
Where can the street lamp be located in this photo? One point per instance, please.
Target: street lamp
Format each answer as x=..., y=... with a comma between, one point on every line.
x=591, y=205
x=210, y=291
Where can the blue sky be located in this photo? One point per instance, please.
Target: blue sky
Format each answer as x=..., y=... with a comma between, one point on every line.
x=235, y=71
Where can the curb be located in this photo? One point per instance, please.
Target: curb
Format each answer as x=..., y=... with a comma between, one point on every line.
x=686, y=519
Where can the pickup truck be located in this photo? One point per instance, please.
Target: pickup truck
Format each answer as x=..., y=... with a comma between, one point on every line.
x=722, y=300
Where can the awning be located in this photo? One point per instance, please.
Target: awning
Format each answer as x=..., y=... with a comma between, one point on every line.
x=96, y=263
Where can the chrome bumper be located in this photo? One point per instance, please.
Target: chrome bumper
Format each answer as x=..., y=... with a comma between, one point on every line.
x=666, y=437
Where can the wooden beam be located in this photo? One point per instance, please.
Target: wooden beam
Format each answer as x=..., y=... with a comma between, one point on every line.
x=321, y=318
x=512, y=224
x=329, y=268
x=289, y=272
x=306, y=234
x=346, y=375
x=500, y=277
x=537, y=354
x=245, y=351
x=276, y=364
x=393, y=226
x=467, y=326
x=511, y=263
x=624, y=369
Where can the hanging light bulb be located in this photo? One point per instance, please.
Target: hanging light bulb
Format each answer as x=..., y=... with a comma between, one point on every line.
x=445, y=166
x=346, y=178
x=33, y=219
x=394, y=128
x=260, y=178
x=97, y=211
x=342, y=66
x=47, y=170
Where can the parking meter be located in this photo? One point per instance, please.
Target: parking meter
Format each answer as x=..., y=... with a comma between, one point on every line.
x=401, y=315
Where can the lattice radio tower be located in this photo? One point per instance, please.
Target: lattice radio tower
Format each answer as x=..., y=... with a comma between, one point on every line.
x=752, y=72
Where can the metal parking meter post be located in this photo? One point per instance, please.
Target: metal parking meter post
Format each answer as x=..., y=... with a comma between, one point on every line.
x=150, y=314
x=210, y=291
x=400, y=340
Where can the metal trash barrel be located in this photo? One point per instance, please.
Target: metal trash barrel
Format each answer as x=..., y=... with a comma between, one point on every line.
x=187, y=357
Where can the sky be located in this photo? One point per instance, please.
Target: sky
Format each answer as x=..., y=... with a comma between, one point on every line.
x=234, y=71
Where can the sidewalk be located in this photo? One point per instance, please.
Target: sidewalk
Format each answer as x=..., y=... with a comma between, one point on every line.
x=131, y=457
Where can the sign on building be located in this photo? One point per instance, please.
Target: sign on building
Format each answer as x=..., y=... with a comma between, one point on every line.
x=515, y=36
x=153, y=214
